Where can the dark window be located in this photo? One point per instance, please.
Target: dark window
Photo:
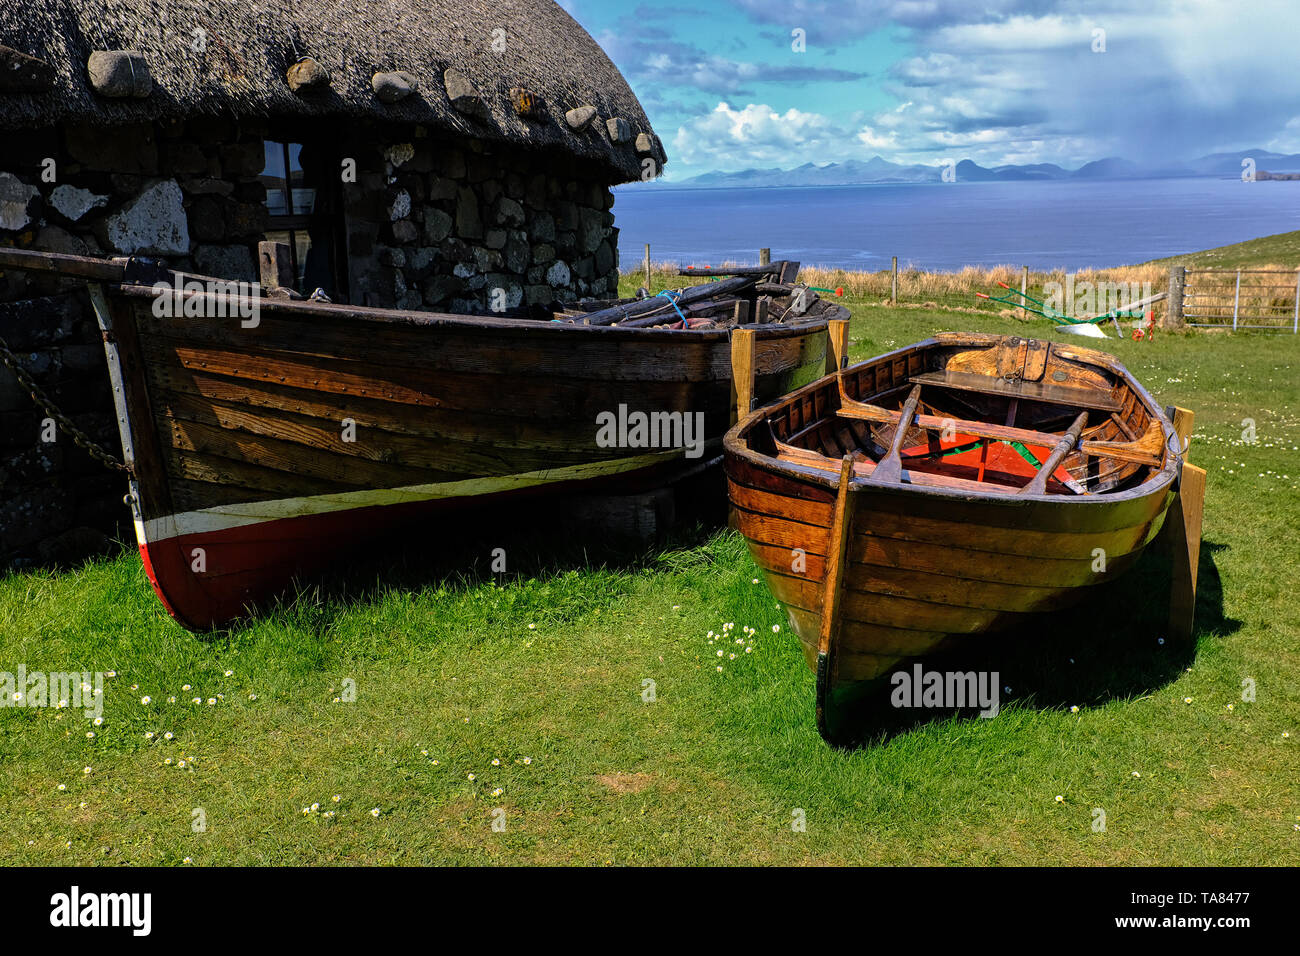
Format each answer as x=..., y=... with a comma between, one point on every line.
x=303, y=208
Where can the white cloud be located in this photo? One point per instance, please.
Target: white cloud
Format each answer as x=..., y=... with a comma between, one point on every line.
x=663, y=61
x=758, y=136
x=830, y=21
x=1175, y=81
x=1288, y=141
x=883, y=142
x=1019, y=81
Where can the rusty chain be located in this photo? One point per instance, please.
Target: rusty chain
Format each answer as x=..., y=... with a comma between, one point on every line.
x=65, y=424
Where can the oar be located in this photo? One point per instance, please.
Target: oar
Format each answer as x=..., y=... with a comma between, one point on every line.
x=1038, y=485
x=890, y=468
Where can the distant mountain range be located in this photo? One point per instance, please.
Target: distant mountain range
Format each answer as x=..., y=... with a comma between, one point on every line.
x=878, y=170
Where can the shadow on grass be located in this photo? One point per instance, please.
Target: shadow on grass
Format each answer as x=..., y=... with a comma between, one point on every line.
x=1115, y=646
x=529, y=538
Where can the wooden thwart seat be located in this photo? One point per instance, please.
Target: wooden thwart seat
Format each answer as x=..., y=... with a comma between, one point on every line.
x=864, y=467
x=1147, y=450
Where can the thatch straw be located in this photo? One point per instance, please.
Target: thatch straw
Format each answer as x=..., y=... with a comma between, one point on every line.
x=250, y=44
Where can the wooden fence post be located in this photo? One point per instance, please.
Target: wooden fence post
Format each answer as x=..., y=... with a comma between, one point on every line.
x=764, y=257
x=1177, y=281
x=1024, y=287
x=893, y=283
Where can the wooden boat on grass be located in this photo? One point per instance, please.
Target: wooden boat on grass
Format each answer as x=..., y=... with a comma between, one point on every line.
x=942, y=491
x=262, y=450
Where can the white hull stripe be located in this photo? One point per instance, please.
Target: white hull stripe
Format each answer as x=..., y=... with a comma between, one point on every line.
x=224, y=517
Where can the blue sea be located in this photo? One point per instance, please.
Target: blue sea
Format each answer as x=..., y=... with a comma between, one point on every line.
x=941, y=227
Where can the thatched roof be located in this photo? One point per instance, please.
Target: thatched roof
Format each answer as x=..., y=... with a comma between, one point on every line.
x=251, y=44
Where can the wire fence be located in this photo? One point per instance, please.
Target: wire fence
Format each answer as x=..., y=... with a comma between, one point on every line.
x=1079, y=295
x=1266, y=298
x=1242, y=299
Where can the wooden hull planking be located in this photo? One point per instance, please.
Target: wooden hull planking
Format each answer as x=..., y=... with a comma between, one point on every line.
x=264, y=453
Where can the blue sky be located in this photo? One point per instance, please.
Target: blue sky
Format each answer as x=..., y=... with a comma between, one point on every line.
x=928, y=81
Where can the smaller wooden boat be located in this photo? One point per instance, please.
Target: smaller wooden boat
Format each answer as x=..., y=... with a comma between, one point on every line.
x=942, y=491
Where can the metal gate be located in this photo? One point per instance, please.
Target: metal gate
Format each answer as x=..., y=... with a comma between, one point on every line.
x=1242, y=299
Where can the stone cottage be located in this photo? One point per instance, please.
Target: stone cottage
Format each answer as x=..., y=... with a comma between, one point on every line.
x=412, y=154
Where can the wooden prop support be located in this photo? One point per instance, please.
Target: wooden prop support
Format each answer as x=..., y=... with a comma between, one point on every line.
x=1183, y=533
x=837, y=345
x=837, y=538
x=275, y=265
x=742, y=373
x=836, y=547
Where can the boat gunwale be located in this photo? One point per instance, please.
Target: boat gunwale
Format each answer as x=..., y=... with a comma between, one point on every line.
x=736, y=442
x=448, y=320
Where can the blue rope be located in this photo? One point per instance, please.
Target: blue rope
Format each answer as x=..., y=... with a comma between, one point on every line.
x=672, y=295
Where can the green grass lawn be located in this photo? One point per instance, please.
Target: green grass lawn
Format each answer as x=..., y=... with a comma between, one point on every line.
x=1282, y=249
x=534, y=683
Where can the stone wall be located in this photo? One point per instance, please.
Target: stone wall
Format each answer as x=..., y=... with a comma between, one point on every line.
x=429, y=224
x=438, y=225
x=57, y=504
x=186, y=192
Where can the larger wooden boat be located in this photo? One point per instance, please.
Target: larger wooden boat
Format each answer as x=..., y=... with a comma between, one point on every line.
x=945, y=490
x=260, y=450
